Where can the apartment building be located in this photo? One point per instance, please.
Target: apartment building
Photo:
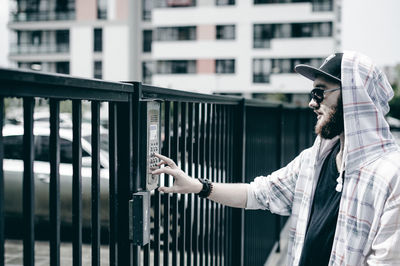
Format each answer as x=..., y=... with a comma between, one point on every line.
x=239, y=47
x=87, y=38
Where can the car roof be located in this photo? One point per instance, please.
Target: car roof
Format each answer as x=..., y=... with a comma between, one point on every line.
x=16, y=130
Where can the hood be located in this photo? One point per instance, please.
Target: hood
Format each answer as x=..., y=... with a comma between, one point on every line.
x=366, y=93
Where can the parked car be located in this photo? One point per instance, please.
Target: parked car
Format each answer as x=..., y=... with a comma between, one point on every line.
x=13, y=175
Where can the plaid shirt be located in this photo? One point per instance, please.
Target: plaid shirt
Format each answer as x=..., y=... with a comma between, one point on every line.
x=368, y=225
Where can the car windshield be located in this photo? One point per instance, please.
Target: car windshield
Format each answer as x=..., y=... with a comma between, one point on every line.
x=103, y=141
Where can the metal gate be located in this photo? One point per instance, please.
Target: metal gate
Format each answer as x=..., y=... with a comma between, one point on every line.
x=226, y=139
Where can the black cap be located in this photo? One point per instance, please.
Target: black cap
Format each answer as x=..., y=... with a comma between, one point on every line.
x=331, y=68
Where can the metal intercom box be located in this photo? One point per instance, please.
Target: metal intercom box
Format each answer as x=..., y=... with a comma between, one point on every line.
x=150, y=142
x=139, y=215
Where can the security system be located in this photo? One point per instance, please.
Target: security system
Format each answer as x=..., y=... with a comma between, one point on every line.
x=151, y=141
x=139, y=215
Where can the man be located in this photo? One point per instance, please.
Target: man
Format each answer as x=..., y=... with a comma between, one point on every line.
x=343, y=193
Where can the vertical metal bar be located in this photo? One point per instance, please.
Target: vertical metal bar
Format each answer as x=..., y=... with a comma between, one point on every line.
x=166, y=196
x=217, y=179
x=279, y=156
x=202, y=171
x=213, y=176
x=189, y=222
x=182, y=200
x=174, y=155
x=113, y=183
x=239, y=172
x=223, y=138
x=157, y=222
x=95, y=183
x=76, y=183
x=28, y=193
x=135, y=183
x=207, y=202
x=196, y=161
x=125, y=173
x=54, y=203
x=230, y=178
x=2, y=250
x=226, y=179
x=146, y=254
x=157, y=225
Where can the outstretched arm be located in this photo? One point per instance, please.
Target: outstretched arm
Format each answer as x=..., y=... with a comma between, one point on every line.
x=233, y=195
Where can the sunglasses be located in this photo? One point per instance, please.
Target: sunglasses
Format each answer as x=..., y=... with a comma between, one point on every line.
x=318, y=94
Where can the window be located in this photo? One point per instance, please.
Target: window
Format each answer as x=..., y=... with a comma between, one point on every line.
x=62, y=41
x=322, y=5
x=176, y=67
x=147, y=40
x=225, y=66
x=62, y=67
x=225, y=32
x=282, y=31
x=98, y=40
x=261, y=70
x=262, y=35
x=13, y=149
x=323, y=29
x=147, y=71
x=147, y=6
x=103, y=142
x=176, y=33
x=301, y=30
x=282, y=65
x=98, y=69
x=102, y=9
x=279, y=1
x=62, y=36
x=175, y=3
x=63, y=5
x=36, y=37
x=224, y=2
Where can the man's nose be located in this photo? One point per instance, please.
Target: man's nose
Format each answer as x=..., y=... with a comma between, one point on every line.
x=313, y=104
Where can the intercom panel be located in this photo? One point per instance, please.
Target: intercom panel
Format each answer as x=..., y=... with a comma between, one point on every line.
x=152, y=142
x=139, y=215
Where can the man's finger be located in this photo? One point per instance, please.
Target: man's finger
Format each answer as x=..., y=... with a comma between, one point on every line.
x=169, y=161
x=164, y=170
x=166, y=189
x=161, y=163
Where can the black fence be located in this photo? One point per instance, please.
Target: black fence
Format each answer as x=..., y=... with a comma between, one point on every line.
x=225, y=139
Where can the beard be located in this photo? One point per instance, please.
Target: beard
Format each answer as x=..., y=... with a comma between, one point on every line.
x=333, y=125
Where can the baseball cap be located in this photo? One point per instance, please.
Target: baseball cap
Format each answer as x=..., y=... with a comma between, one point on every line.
x=331, y=68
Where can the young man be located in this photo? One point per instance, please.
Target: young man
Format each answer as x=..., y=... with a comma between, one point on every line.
x=343, y=193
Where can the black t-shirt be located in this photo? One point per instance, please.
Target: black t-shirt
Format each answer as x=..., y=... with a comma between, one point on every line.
x=324, y=213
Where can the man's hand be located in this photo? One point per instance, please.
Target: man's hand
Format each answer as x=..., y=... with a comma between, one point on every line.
x=182, y=184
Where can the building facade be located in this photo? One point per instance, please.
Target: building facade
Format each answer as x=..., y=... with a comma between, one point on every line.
x=87, y=38
x=239, y=47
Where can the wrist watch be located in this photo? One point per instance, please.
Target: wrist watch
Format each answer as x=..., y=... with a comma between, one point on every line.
x=207, y=188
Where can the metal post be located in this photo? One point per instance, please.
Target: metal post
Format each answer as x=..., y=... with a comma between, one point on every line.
x=239, y=177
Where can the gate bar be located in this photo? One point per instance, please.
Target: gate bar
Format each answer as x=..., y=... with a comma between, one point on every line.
x=28, y=193
x=54, y=187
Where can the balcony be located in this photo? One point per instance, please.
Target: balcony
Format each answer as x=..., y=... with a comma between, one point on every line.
x=42, y=16
x=48, y=48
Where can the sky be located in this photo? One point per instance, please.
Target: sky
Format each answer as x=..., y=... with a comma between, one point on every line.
x=372, y=27
x=369, y=26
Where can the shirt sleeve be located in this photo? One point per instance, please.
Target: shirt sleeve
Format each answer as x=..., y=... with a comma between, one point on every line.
x=385, y=246
x=275, y=192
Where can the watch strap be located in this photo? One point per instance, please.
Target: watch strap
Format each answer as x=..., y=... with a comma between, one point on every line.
x=207, y=188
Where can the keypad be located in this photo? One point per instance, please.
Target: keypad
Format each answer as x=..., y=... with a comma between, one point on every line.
x=153, y=160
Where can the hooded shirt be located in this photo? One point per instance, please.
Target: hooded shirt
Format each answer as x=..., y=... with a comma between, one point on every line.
x=368, y=224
